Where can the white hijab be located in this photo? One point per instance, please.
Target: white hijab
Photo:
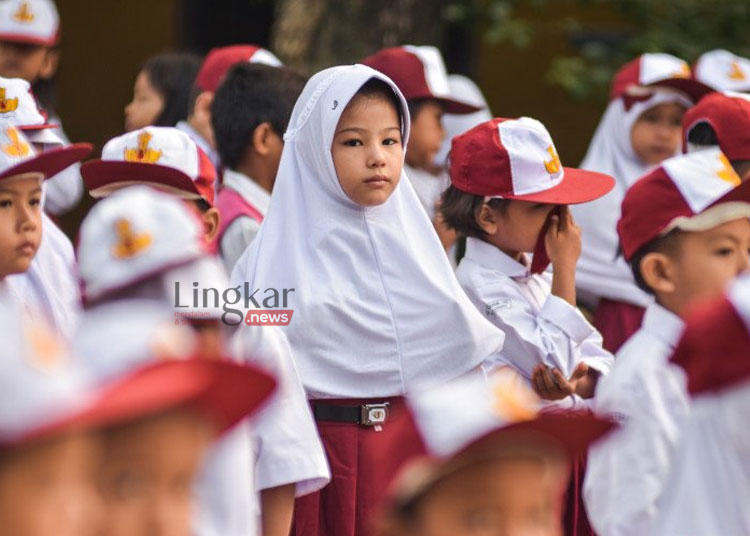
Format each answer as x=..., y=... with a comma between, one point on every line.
x=377, y=309
x=601, y=273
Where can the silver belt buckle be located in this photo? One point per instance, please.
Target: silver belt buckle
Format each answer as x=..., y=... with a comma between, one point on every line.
x=373, y=414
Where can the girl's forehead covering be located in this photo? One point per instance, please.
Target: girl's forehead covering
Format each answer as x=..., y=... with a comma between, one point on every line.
x=326, y=95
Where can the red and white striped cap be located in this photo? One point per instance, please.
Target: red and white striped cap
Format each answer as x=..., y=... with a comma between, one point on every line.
x=419, y=72
x=692, y=192
x=728, y=114
x=35, y=22
x=640, y=76
x=219, y=60
x=723, y=71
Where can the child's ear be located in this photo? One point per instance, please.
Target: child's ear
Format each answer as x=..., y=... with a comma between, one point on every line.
x=49, y=66
x=486, y=218
x=658, y=273
x=202, y=108
x=262, y=138
x=211, y=223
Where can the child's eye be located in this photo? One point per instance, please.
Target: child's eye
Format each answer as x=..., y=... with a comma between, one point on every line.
x=6, y=203
x=353, y=143
x=724, y=252
x=35, y=202
x=391, y=141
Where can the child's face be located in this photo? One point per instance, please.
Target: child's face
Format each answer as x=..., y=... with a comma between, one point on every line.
x=657, y=133
x=426, y=136
x=49, y=488
x=20, y=224
x=30, y=62
x=147, y=474
x=516, y=228
x=367, y=150
x=146, y=105
x=707, y=261
x=512, y=497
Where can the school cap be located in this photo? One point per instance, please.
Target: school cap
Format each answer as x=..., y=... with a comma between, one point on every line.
x=419, y=72
x=658, y=70
x=713, y=348
x=124, y=337
x=728, y=114
x=164, y=158
x=18, y=156
x=133, y=235
x=19, y=107
x=34, y=22
x=692, y=192
x=516, y=159
x=723, y=71
x=471, y=418
x=219, y=60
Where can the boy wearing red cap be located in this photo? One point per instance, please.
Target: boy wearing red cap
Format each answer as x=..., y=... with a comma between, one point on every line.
x=721, y=120
x=212, y=72
x=508, y=196
x=685, y=230
x=420, y=74
x=249, y=114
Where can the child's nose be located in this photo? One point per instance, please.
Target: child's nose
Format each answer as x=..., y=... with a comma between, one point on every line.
x=27, y=220
x=376, y=157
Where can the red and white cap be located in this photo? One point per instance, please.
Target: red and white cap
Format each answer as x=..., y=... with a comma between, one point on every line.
x=640, y=76
x=219, y=60
x=19, y=107
x=164, y=158
x=136, y=234
x=419, y=72
x=18, y=157
x=723, y=71
x=728, y=114
x=713, y=348
x=516, y=159
x=692, y=192
x=35, y=22
x=471, y=417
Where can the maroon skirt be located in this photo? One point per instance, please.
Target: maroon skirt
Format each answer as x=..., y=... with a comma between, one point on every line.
x=345, y=506
x=617, y=321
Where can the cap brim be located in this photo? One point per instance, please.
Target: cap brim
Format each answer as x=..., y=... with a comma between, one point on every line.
x=689, y=86
x=102, y=177
x=577, y=186
x=50, y=163
x=28, y=39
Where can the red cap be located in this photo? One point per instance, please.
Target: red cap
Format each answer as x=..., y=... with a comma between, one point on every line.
x=679, y=194
x=656, y=70
x=419, y=72
x=516, y=159
x=714, y=346
x=220, y=59
x=728, y=114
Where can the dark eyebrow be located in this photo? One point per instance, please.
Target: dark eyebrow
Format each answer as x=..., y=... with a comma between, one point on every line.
x=358, y=129
x=12, y=192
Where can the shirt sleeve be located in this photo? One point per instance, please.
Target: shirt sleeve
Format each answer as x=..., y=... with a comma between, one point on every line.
x=557, y=336
x=240, y=233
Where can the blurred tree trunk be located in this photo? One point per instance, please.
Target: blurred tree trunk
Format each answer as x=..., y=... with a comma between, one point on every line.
x=314, y=34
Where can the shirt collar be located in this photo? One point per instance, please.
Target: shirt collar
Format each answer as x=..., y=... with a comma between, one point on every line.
x=492, y=257
x=251, y=191
x=663, y=324
x=200, y=141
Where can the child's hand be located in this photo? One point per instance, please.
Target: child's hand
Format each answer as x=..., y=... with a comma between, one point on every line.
x=563, y=240
x=550, y=384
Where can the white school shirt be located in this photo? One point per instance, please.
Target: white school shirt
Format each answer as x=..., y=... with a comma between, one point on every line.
x=428, y=187
x=50, y=285
x=242, y=230
x=539, y=327
x=201, y=142
x=627, y=472
x=62, y=192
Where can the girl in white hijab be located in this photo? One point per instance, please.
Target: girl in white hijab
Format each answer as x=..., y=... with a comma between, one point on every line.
x=377, y=309
x=640, y=128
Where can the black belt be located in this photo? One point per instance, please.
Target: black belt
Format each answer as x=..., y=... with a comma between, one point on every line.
x=366, y=414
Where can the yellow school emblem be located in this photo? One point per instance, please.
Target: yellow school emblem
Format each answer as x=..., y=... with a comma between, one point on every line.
x=553, y=165
x=23, y=13
x=143, y=154
x=683, y=72
x=17, y=147
x=727, y=172
x=129, y=243
x=736, y=72
x=7, y=105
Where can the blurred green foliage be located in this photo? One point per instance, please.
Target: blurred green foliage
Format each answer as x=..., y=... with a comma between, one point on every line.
x=685, y=28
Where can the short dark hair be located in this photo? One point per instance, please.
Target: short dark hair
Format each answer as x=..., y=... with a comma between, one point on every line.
x=251, y=94
x=668, y=244
x=378, y=89
x=172, y=74
x=460, y=209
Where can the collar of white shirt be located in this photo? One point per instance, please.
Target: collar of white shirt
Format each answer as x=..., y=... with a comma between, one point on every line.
x=663, y=324
x=251, y=191
x=492, y=257
x=200, y=141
